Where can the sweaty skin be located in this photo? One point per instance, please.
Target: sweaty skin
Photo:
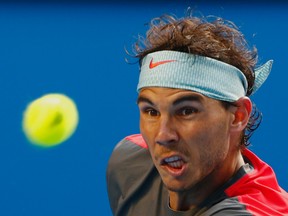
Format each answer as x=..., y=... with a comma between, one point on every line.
x=193, y=141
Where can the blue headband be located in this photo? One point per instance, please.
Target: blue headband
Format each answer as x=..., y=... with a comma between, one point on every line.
x=210, y=77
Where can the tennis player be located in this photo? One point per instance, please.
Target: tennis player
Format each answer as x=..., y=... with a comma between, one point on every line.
x=196, y=118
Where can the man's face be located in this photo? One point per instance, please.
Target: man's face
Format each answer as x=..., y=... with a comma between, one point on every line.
x=188, y=135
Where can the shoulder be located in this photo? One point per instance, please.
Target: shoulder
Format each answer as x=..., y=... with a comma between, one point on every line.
x=130, y=156
x=229, y=206
x=259, y=190
x=130, y=172
x=135, y=140
x=128, y=152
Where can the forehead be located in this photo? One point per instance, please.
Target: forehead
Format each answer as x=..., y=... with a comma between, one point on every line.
x=169, y=95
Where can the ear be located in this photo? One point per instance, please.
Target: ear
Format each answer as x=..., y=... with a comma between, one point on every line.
x=241, y=114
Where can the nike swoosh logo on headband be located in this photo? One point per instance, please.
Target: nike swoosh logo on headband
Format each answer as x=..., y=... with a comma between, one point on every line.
x=155, y=64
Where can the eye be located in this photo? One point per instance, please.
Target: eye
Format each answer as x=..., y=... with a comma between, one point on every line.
x=148, y=111
x=186, y=111
x=152, y=112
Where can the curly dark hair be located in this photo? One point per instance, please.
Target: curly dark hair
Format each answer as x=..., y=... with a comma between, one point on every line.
x=213, y=37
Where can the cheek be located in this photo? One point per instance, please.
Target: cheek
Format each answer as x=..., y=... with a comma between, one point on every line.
x=143, y=128
x=147, y=126
x=208, y=138
x=214, y=145
x=147, y=132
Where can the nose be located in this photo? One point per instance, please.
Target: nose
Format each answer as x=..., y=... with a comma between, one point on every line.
x=167, y=134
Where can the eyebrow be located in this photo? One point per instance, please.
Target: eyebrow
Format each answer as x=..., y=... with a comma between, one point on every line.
x=187, y=98
x=144, y=100
x=176, y=102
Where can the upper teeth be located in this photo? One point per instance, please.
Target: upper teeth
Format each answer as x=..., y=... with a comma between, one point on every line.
x=171, y=159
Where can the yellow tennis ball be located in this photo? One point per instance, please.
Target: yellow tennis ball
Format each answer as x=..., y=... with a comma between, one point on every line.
x=50, y=120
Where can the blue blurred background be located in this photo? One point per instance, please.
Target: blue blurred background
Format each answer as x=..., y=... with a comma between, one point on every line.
x=77, y=48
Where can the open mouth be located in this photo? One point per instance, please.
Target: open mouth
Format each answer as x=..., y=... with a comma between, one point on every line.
x=174, y=162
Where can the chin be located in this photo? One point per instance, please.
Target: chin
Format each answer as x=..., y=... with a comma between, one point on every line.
x=177, y=186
